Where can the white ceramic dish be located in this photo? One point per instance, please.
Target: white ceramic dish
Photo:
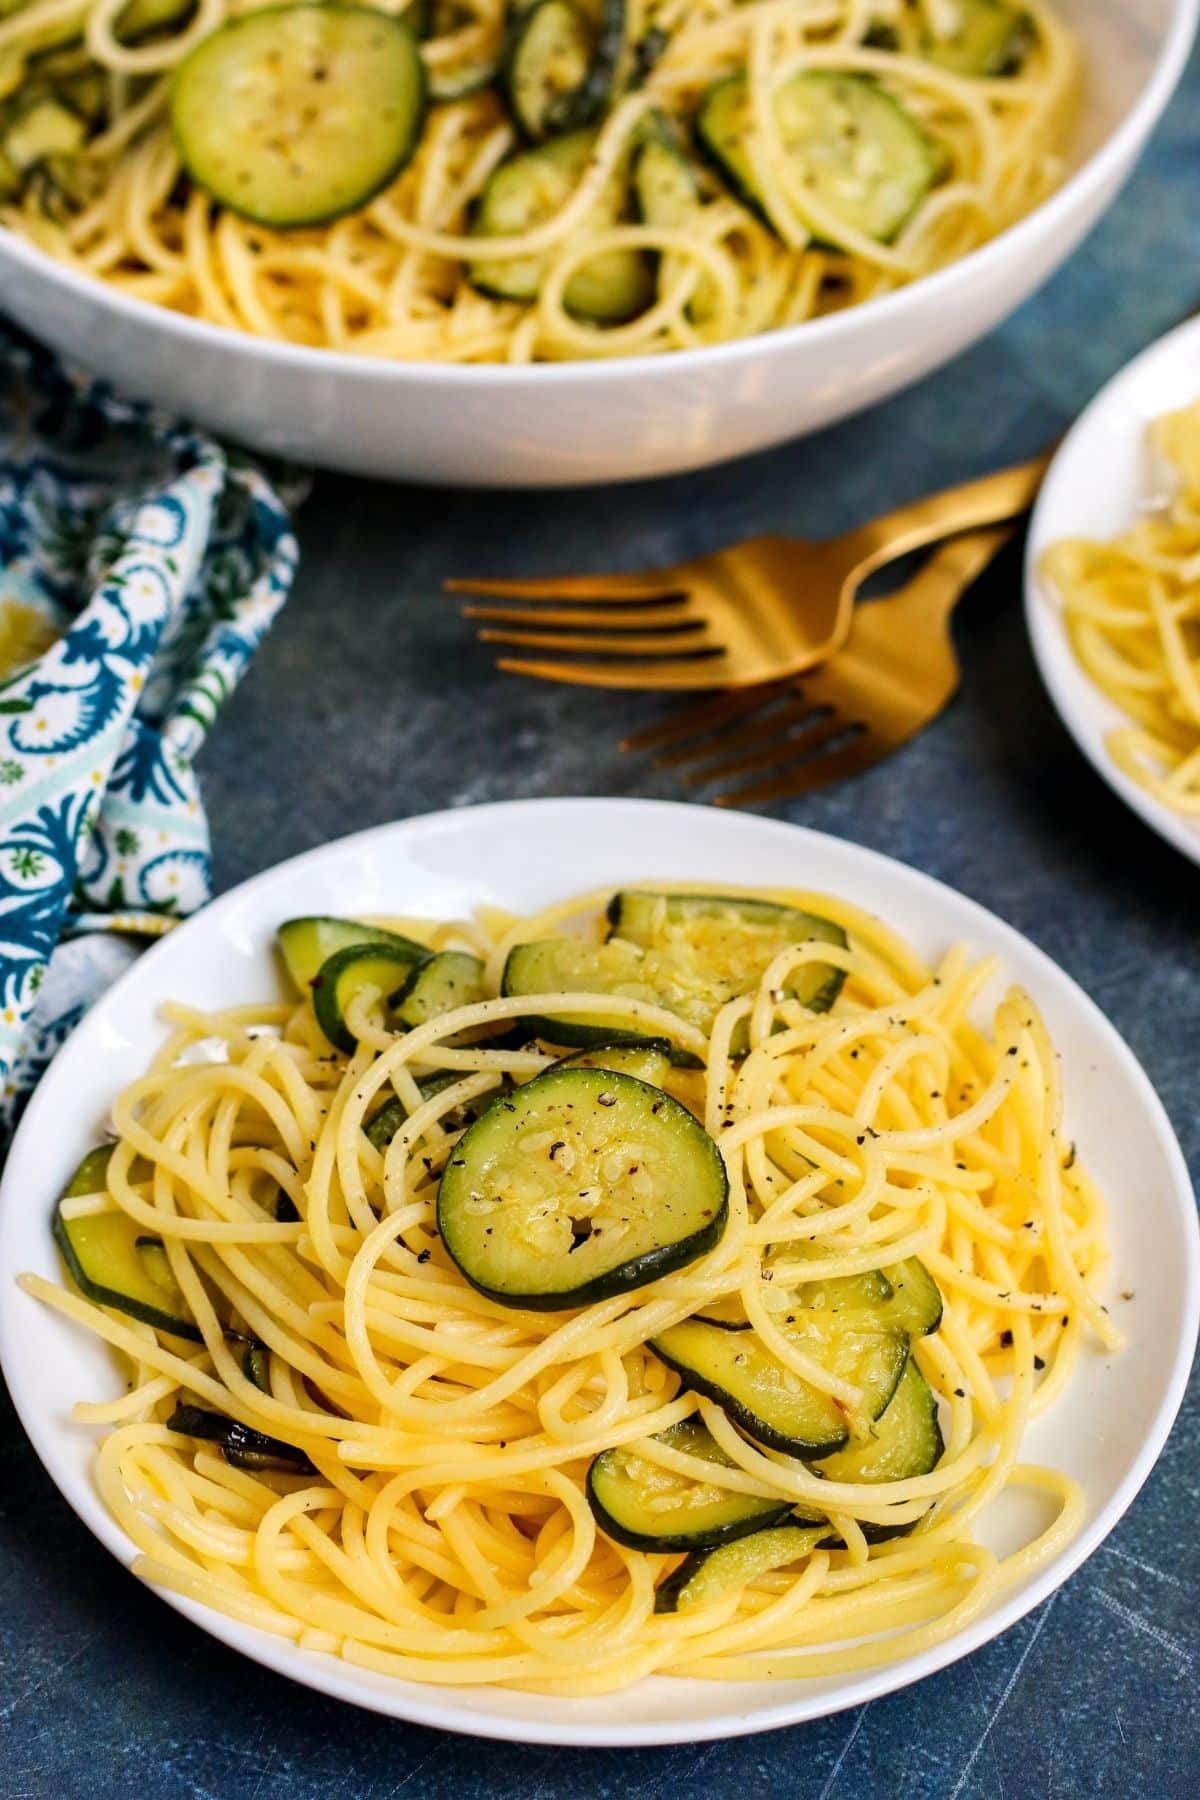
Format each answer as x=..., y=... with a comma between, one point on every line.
x=1095, y=486
x=623, y=419
x=1107, y=1432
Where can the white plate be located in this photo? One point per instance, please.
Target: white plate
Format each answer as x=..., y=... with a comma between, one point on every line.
x=1095, y=486
x=1107, y=1432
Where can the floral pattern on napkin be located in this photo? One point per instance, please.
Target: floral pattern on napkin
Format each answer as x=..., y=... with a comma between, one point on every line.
x=162, y=560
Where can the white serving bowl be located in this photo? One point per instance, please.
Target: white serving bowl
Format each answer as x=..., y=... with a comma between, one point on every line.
x=574, y=423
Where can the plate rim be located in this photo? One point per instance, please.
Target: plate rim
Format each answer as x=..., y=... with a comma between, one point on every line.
x=1043, y=624
x=419, y=1704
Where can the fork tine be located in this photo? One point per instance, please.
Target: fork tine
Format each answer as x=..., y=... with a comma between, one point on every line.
x=614, y=643
x=707, y=715
x=768, y=722
x=672, y=615
x=650, y=584
x=670, y=675
x=825, y=729
x=817, y=771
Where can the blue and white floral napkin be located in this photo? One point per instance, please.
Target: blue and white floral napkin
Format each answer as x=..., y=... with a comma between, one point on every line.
x=140, y=567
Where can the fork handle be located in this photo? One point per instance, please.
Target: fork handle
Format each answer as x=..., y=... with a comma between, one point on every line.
x=988, y=500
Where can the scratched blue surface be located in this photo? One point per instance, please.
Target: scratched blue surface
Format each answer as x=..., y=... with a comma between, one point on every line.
x=104, y=1691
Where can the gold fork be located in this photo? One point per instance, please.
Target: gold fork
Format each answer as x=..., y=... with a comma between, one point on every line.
x=894, y=675
x=756, y=612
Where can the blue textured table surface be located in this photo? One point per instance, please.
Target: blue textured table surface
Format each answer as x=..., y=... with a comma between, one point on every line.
x=370, y=704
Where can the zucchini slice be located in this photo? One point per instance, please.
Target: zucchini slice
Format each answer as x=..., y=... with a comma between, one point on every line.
x=559, y=66
x=865, y=159
x=391, y=1116
x=646, y=1507
x=141, y=19
x=993, y=39
x=41, y=131
x=306, y=943
x=582, y=1184
x=240, y=1445
x=769, y=1402
x=688, y=953
x=906, y=1440
x=256, y=1366
x=569, y=965
x=524, y=191
x=706, y=1574
x=460, y=80
x=649, y=1061
x=114, y=1264
x=294, y=115
x=437, y=985
x=546, y=70
x=382, y=968
x=727, y=942
x=667, y=194
x=916, y=1303
x=850, y=1293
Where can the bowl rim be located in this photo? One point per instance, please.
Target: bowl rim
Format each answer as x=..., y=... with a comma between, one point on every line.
x=1122, y=146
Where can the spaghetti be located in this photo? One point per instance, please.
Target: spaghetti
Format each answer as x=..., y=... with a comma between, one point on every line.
x=394, y=278
x=1132, y=611
x=439, y=1528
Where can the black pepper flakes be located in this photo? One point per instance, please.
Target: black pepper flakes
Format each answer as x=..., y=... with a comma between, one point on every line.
x=1006, y=1338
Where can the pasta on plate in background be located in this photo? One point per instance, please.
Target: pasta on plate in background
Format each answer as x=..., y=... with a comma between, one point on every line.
x=1132, y=612
x=661, y=1284
x=518, y=180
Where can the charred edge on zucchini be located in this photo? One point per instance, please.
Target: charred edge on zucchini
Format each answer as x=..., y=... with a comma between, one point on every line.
x=240, y=1444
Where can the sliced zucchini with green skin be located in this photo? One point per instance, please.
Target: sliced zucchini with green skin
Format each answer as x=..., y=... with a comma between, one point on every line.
x=649, y=50
x=141, y=19
x=666, y=194
x=649, y=1061
x=525, y=191
x=459, y=80
x=45, y=129
x=704, y=1576
x=546, y=65
x=559, y=65
x=728, y=942
x=307, y=943
x=770, y=1403
x=106, y=1256
x=569, y=965
x=916, y=1303
x=154, y=1259
x=438, y=985
x=993, y=39
x=256, y=1366
x=580, y=1185
x=391, y=1116
x=864, y=158
x=295, y=115
x=380, y=967
x=851, y=1293
x=905, y=1441
x=240, y=1444
x=645, y=1507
